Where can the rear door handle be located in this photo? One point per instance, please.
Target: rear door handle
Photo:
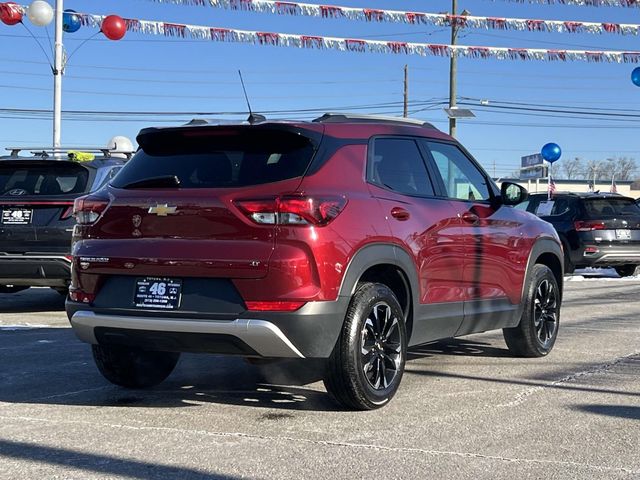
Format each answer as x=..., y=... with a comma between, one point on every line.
x=469, y=217
x=400, y=214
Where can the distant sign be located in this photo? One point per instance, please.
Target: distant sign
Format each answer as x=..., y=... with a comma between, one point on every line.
x=530, y=173
x=529, y=161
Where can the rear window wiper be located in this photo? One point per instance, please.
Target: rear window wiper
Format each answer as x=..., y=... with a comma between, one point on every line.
x=166, y=181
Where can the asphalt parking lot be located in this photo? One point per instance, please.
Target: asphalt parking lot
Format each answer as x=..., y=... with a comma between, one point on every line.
x=465, y=410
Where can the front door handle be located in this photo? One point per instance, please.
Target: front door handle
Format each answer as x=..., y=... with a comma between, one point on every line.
x=400, y=214
x=469, y=217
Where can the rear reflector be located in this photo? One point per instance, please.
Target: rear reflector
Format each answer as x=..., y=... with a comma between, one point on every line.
x=274, y=306
x=293, y=209
x=79, y=296
x=67, y=213
x=589, y=225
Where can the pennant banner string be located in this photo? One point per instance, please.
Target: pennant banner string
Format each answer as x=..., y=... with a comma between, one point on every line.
x=420, y=18
x=579, y=3
x=359, y=45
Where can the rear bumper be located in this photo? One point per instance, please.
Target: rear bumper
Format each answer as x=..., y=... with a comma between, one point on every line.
x=310, y=332
x=35, y=270
x=609, y=255
x=260, y=336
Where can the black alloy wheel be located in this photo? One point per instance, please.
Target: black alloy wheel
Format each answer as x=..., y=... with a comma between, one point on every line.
x=545, y=312
x=381, y=347
x=367, y=363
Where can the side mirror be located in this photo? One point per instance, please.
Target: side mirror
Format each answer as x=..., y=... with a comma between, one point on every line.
x=512, y=193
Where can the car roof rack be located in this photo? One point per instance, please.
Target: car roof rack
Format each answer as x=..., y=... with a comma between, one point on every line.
x=361, y=118
x=46, y=152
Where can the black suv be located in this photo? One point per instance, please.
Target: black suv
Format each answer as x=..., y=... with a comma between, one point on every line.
x=596, y=229
x=36, y=208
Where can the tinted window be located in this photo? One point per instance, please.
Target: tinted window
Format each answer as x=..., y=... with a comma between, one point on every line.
x=219, y=157
x=542, y=207
x=397, y=164
x=462, y=179
x=610, y=207
x=38, y=178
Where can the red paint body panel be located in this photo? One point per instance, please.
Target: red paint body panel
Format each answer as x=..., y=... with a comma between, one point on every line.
x=209, y=236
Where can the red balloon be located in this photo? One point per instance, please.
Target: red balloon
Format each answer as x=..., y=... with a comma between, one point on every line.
x=10, y=13
x=113, y=27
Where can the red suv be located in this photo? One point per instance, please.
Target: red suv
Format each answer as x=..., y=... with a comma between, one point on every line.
x=349, y=238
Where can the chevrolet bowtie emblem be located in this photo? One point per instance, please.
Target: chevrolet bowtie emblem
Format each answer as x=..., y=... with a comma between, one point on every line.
x=163, y=210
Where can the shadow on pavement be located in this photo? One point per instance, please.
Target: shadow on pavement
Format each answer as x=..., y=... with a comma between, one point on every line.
x=457, y=346
x=620, y=411
x=50, y=366
x=32, y=300
x=519, y=381
x=89, y=462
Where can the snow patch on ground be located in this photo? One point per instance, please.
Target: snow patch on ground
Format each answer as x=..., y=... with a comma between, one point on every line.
x=26, y=326
x=593, y=273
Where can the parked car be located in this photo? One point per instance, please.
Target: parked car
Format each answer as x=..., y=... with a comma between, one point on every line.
x=596, y=229
x=36, y=203
x=348, y=238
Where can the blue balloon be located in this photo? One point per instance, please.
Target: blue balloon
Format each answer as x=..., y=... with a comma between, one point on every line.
x=71, y=21
x=635, y=76
x=551, y=152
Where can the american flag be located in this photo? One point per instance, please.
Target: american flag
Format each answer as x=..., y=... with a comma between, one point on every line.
x=614, y=188
x=552, y=188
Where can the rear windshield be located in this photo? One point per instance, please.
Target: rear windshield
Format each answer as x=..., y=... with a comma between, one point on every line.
x=611, y=207
x=37, y=178
x=219, y=158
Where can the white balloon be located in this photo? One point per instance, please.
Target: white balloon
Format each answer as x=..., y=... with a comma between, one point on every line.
x=120, y=144
x=40, y=13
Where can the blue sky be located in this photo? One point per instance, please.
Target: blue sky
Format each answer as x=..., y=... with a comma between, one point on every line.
x=144, y=73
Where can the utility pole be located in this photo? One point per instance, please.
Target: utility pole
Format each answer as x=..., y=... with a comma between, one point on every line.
x=406, y=91
x=58, y=70
x=453, y=67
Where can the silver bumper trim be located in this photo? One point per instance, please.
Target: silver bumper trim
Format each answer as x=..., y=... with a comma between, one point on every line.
x=262, y=336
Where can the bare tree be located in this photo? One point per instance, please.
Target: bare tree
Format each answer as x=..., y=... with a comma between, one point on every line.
x=571, y=169
x=593, y=168
x=626, y=168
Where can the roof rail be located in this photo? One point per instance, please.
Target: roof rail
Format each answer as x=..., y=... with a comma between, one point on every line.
x=360, y=118
x=46, y=152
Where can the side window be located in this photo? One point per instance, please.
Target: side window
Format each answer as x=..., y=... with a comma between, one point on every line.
x=462, y=179
x=397, y=164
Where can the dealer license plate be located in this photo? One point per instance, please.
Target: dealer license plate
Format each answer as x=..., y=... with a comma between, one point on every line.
x=623, y=234
x=16, y=216
x=158, y=292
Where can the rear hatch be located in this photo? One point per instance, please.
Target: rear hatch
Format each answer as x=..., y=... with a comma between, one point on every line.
x=36, y=203
x=176, y=209
x=610, y=218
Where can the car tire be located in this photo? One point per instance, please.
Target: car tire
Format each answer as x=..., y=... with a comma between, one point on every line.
x=625, y=270
x=537, y=331
x=133, y=368
x=367, y=363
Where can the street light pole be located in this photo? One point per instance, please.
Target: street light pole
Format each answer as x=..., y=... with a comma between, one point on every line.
x=58, y=70
x=453, y=68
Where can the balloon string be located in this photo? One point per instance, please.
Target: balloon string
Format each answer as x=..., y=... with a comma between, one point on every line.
x=82, y=44
x=39, y=44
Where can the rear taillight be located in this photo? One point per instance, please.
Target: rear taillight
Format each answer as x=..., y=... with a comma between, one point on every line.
x=88, y=209
x=589, y=225
x=293, y=209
